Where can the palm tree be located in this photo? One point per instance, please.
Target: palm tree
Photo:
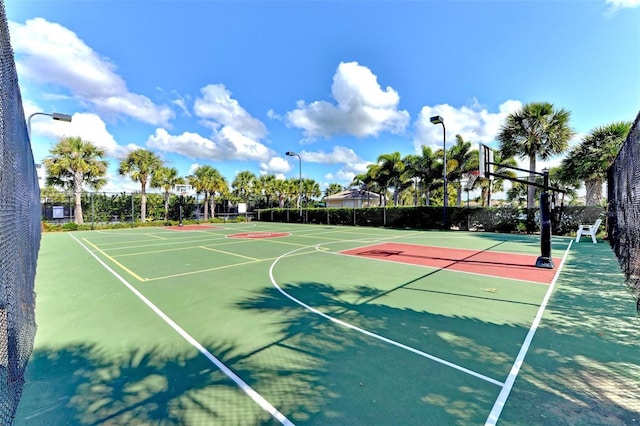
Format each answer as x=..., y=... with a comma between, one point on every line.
x=310, y=189
x=390, y=172
x=334, y=188
x=590, y=160
x=74, y=163
x=244, y=185
x=537, y=130
x=166, y=178
x=460, y=161
x=365, y=182
x=208, y=180
x=569, y=185
x=425, y=170
x=267, y=187
x=283, y=188
x=291, y=190
x=139, y=165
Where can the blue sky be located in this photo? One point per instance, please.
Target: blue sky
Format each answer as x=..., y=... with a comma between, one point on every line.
x=236, y=84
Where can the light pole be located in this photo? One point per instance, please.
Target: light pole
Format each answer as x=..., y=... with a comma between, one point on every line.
x=294, y=154
x=439, y=120
x=56, y=116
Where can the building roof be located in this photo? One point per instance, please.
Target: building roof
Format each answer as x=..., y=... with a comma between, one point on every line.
x=353, y=194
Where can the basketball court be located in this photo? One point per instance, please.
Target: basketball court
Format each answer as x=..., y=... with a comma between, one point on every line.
x=270, y=323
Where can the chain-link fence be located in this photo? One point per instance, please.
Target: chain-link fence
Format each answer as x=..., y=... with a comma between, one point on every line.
x=19, y=234
x=102, y=208
x=624, y=208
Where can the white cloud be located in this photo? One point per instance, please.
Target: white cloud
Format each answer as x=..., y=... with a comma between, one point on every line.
x=339, y=154
x=474, y=123
x=622, y=4
x=88, y=126
x=49, y=53
x=220, y=110
x=189, y=144
x=227, y=144
x=276, y=165
x=117, y=183
x=235, y=134
x=362, y=107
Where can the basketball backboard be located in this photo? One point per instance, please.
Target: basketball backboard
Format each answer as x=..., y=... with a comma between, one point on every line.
x=182, y=189
x=486, y=161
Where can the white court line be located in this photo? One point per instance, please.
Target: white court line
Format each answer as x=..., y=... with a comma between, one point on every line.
x=515, y=369
x=255, y=396
x=369, y=333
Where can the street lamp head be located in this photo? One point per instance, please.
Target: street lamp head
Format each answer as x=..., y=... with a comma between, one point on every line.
x=291, y=154
x=61, y=117
x=56, y=116
x=436, y=119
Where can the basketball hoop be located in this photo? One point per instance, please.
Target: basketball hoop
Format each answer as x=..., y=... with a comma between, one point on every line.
x=472, y=176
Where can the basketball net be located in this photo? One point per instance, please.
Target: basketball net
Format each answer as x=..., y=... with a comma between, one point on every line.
x=471, y=179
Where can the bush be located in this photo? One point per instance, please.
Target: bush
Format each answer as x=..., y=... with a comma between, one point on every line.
x=70, y=226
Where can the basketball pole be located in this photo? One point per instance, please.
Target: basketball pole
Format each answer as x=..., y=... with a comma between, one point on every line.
x=181, y=202
x=545, y=260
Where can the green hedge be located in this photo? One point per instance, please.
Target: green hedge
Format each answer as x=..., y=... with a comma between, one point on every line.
x=495, y=219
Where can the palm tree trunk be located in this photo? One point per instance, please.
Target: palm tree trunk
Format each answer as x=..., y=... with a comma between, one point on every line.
x=77, y=193
x=205, y=206
x=143, y=205
x=531, y=190
x=593, y=196
x=212, y=204
x=166, y=205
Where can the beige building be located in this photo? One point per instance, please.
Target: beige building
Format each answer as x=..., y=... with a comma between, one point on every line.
x=353, y=198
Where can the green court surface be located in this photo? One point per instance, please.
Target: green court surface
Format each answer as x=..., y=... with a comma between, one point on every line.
x=191, y=327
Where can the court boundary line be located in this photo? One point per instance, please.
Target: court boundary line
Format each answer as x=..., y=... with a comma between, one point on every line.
x=248, y=390
x=501, y=400
x=370, y=333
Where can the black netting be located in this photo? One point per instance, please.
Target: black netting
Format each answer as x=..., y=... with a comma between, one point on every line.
x=624, y=207
x=19, y=234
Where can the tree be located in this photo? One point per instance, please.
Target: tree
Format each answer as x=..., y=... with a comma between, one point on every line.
x=334, y=188
x=590, y=160
x=290, y=190
x=390, y=172
x=282, y=188
x=536, y=130
x=366, y=182
x=244, y=185
x=460, y=161
x=140, y=165
x=166, y=178
x=568, y=184
x=208, y=180
x=310, y=189
x=425, y=170
x=75, y=163
x=267, y=187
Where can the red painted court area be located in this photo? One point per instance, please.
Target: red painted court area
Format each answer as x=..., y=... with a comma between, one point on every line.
x=499, y=264
x=193, y=227
x=256, y=235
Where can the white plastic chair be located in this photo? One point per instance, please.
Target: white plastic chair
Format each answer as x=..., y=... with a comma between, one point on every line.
x=590, y=230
